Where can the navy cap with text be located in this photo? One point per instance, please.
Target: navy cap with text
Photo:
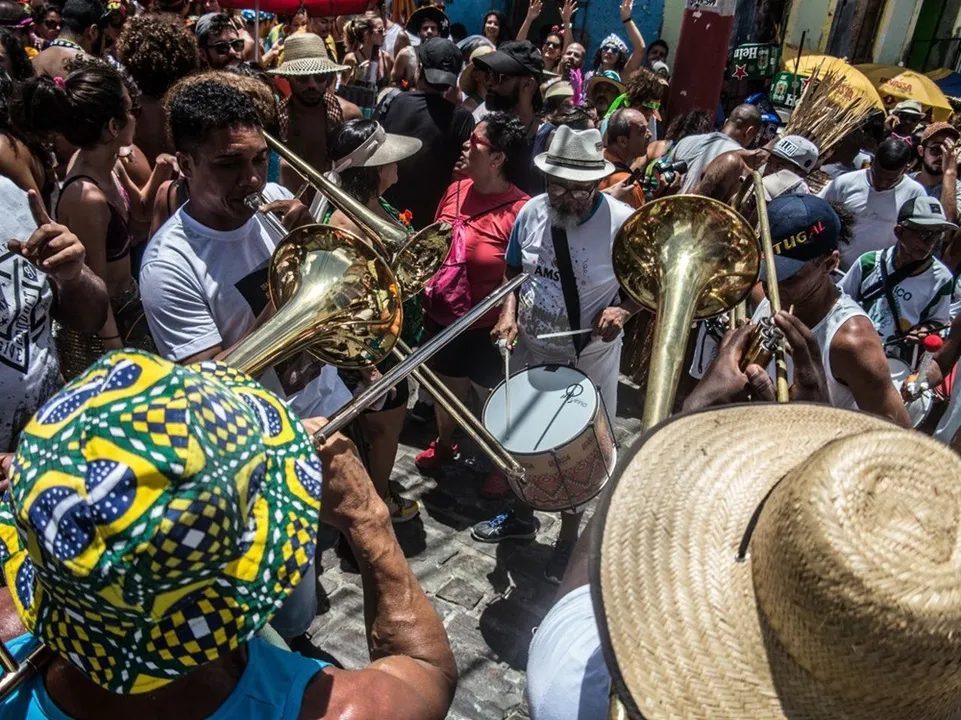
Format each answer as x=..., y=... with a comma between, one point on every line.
x=803, y=228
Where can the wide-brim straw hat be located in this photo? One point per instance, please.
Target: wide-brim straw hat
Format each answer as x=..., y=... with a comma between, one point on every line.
x=599, y=79
x=306, y=54
x=772, y=562
x=575, y=155
x=466, y=81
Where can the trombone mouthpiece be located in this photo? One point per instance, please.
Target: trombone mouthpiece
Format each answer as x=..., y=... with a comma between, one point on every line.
x=255, y=201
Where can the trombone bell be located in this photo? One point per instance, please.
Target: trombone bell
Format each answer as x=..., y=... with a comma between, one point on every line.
x=335, y=295
x=686, y=257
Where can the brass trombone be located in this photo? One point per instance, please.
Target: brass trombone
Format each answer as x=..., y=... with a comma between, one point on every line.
x=684, y=257
x=754, y=183
x=414, y=260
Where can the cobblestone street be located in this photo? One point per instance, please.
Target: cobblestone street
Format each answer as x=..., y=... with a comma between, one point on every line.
x=490, y=597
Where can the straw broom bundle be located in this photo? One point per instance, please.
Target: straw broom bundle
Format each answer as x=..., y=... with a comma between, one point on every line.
x=828, y=110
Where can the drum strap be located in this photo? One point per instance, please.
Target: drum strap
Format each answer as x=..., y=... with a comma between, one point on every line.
x=562, y=253
x=887, y=285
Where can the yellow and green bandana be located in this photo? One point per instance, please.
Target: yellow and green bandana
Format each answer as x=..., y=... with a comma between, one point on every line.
x=158, y=517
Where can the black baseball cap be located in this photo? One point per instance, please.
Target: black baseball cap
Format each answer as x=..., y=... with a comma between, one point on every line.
x=441, y=61
x=803, y=227
x=514, y=58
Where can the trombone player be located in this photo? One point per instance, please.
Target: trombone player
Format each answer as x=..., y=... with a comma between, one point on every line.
x=204, y=273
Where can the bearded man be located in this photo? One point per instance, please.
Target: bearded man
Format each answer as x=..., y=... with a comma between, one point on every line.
x=563, y=240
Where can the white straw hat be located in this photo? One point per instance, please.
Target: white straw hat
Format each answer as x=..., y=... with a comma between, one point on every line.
x=576, y=155
x=381, y=148
x=783, y=561
x=306, y=54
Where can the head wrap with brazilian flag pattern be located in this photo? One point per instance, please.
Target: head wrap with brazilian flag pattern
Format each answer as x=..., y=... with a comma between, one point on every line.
x=159, y=515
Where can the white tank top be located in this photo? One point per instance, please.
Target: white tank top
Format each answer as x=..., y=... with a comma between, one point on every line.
x=844, y=309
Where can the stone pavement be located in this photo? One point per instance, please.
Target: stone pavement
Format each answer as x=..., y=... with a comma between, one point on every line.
x=490, y=597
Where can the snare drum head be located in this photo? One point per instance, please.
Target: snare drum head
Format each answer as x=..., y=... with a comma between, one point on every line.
x=899, y=371
x=550, y=405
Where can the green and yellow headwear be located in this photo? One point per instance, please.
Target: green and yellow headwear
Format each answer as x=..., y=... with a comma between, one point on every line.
x=158, y=517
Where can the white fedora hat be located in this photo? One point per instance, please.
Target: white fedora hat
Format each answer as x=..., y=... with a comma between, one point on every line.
x=576, y=155
x=779, y=562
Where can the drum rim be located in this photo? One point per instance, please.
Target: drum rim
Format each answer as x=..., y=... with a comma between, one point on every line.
x=534, y=453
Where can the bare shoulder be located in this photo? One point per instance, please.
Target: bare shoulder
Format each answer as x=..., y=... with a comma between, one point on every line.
x=367, y=693
x=351, y=111
x=855, y=336
x=856, y=352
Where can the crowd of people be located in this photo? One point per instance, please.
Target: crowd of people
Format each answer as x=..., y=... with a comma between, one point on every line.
x=162, y=507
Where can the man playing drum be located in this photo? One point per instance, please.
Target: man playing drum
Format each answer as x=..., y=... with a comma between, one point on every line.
x=563, y=240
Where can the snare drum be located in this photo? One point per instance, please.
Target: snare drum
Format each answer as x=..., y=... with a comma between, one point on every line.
x=559, y=432
x=917, y=409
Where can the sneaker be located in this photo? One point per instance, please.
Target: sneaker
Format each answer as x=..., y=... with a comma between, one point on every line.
x=504, y=527
x=401, y=509
x=557, y=565
x=495, y=486
x=435, y=456
x=422, y=412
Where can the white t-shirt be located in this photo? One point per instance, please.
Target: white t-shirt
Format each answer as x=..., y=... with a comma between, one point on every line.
x=875, y=213
x=541, y=308
x=29, y=369
x=921, y=298
x=698, y=151
x=203, y=287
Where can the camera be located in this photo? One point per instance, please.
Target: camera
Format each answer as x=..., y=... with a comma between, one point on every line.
x=665, y=169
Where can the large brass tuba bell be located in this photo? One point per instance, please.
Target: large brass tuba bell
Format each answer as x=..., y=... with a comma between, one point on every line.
x=685, y=257
x=335, y=294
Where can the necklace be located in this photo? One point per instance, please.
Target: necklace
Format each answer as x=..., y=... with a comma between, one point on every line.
x=61, y=42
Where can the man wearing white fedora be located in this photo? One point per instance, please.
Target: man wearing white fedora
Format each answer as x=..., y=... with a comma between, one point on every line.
x=563, y=240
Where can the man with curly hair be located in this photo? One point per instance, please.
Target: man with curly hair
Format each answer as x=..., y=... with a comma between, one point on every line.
x=156, y=54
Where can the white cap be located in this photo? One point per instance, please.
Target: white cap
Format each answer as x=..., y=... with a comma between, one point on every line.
x=798, y=150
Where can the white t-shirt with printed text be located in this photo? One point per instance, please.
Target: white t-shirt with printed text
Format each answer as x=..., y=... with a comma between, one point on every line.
x=921, y=298
x=541, y=308
x=875, y=212
x=204, y=287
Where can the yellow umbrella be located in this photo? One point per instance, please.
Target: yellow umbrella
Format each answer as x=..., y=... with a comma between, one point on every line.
x=895, y=84
x=852, y=76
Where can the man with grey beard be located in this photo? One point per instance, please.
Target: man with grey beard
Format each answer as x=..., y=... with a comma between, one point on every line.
x=563, y=240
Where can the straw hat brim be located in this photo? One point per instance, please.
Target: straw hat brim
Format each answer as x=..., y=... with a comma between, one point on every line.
x=601, y=80
x=308, y=66
x=571, y=173
x=679, y=624
x=394, y=149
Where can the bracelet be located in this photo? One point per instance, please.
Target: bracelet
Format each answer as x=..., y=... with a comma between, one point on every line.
x=627, y=21
x=109, y=337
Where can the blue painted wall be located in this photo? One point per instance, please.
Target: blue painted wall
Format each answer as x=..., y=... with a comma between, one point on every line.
x=597, y=20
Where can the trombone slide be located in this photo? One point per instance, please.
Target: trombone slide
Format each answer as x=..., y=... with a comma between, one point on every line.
x=347, y=414
x=489, y=445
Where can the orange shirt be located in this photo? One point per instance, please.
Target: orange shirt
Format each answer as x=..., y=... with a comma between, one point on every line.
x=637, y=196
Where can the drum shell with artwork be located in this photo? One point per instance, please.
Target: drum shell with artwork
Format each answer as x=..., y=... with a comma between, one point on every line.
x=563, y=439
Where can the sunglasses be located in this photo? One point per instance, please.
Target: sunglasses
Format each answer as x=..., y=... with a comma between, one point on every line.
x=579, y=192
x=929, y=236
x=317, y=79
x=552, y=44
x=223, y=48
x=476, y=141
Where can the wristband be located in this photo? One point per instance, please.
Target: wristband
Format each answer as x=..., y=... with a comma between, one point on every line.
x=109, y=337
x=627, y=21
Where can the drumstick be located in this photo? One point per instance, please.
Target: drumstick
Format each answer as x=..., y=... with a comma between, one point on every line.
x=505, y=349
x=566, y=333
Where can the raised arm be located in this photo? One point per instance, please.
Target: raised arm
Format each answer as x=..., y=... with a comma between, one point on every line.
x=857, y=360
x=638, y=47
x=567, y=18
x=142, y=199
x=412, y=674
x=533, y=10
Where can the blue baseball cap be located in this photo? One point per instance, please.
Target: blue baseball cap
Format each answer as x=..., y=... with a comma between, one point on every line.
x=803, y=228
